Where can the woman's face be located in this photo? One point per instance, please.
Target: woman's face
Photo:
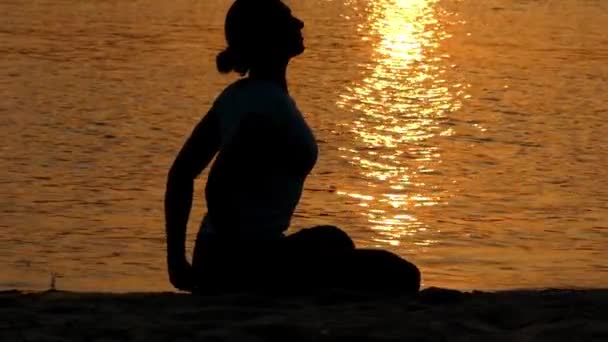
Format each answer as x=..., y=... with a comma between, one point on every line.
x=284, y=31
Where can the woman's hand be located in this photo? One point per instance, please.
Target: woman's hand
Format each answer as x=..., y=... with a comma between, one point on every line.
x=181, y=274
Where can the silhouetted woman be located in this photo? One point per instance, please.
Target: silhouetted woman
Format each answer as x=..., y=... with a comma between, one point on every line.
x=265, y=150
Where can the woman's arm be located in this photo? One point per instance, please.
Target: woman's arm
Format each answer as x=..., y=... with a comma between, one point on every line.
x=195, y=155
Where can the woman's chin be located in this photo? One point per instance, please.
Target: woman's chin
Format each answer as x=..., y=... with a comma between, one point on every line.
x=299, y=49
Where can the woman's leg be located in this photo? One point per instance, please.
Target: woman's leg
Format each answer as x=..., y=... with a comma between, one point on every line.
x=325, y=257
x=319, y=239
x=311, y=260
x=378, y=272
x=222, y=265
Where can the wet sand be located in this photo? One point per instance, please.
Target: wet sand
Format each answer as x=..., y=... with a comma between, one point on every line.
x=434, y=315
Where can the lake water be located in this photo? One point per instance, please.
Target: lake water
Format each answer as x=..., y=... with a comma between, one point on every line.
x=470, y=137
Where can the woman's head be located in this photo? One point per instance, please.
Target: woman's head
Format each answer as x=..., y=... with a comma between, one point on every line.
x=259, y=32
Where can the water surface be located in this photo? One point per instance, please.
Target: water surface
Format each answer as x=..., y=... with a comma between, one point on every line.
x=467, y=136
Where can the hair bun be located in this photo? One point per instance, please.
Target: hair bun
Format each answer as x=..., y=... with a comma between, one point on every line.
x=225, y=61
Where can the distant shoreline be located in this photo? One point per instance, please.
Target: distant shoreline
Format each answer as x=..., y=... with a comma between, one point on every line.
x=434, y=315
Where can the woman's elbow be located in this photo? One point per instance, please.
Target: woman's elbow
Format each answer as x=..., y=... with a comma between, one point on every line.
x=178, y=175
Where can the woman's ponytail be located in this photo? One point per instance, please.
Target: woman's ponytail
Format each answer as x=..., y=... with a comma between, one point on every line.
x=225, y=61
x=230, y=60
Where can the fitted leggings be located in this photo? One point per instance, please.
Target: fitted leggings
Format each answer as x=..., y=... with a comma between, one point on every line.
x=308, y=261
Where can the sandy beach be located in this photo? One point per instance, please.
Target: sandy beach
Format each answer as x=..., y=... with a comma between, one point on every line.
x=434, y=315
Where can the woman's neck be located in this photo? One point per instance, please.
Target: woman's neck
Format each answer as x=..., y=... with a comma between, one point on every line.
x=275, y=72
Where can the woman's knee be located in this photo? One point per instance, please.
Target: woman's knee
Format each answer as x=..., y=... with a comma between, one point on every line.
x=332, y=237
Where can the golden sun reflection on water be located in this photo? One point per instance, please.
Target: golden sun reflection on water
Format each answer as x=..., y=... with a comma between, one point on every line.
x=397, y=109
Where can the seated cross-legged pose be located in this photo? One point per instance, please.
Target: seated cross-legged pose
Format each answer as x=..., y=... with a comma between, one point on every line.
x=263, y=151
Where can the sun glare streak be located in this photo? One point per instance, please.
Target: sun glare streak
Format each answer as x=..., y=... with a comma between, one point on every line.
x=397, y=110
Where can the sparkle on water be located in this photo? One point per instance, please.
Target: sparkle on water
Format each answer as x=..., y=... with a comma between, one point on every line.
x=396, y=109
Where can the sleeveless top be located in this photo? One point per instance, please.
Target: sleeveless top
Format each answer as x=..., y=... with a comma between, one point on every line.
x=252, y=192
